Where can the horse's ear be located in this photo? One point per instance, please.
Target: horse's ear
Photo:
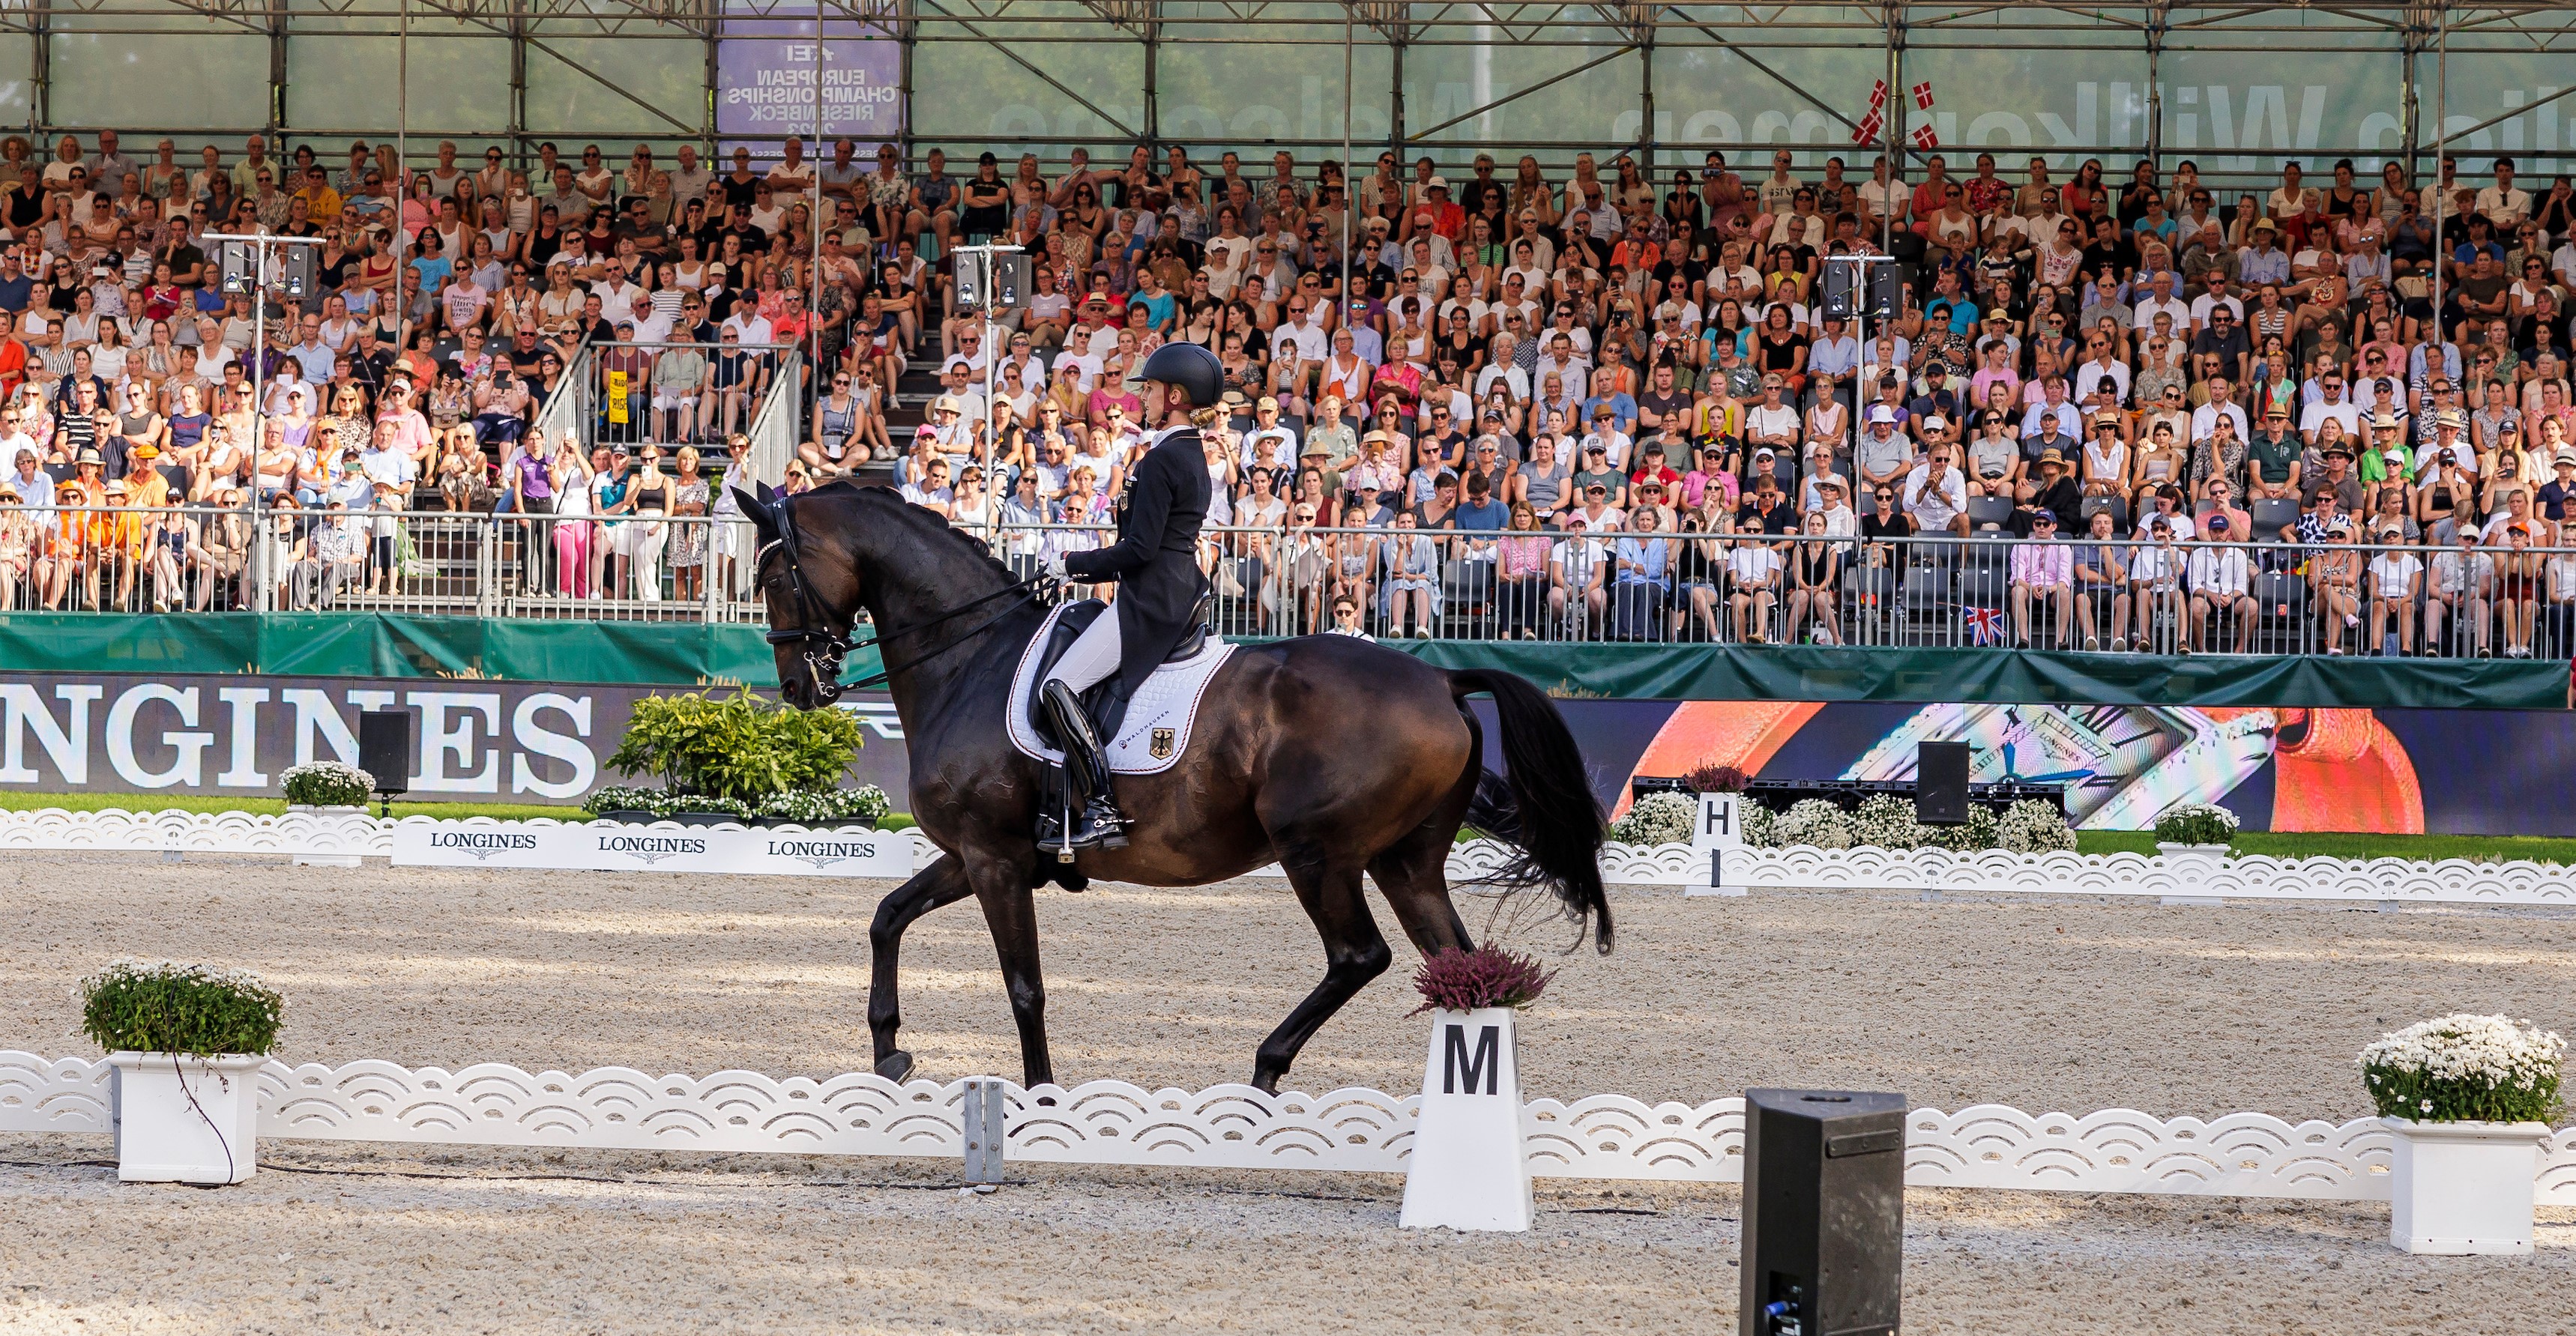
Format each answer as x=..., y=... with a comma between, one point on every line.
x=755, y=508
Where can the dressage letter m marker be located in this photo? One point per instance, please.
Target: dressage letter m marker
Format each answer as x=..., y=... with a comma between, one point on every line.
x=1485, y=1064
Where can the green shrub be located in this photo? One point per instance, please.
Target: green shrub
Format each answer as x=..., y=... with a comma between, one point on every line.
x=165, y=1007
x=740, y=747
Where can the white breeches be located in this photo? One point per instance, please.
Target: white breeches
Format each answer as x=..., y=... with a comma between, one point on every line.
x=1093, y=657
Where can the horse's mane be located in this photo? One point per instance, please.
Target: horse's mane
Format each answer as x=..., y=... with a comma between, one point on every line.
x=920, y=520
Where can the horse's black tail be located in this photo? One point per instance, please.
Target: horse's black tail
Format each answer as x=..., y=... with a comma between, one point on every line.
x=1542, y=805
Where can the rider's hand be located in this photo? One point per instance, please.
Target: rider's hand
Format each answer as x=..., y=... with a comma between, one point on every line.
x=1055, y=568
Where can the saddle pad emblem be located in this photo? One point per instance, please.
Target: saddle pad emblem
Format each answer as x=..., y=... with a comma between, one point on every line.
x=1162, y=745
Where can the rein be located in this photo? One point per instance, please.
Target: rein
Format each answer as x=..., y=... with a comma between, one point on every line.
x=824, y=664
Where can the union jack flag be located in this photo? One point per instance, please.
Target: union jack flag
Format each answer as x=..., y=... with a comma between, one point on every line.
x=1985, y=625
x=1923, y=95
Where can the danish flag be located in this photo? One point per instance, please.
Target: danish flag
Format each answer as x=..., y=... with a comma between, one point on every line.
x=1868, y=129
x=1878, y=95
x=1925, y=138
x=1923, y=95
x=1985, y=625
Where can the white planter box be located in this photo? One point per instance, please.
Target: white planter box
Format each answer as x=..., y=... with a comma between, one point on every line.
x=182, y=1119
x=326, y=810
x=2458, y=1188
x=1467, y=1168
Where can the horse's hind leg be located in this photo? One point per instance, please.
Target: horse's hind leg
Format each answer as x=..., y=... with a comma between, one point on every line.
x=1354, y=953
x=1413, y=875
x=941, y=883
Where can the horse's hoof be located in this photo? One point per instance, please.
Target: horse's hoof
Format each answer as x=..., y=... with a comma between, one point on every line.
x=1268, y=1085
x=895, y=1066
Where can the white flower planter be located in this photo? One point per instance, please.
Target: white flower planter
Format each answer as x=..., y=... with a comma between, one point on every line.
x=1467, y=1168
x=2466, y=1187
x=2204, y=850
x=319, y=811
x=182, y=1119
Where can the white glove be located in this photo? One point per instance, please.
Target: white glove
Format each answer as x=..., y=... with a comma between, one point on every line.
x=1055, y=567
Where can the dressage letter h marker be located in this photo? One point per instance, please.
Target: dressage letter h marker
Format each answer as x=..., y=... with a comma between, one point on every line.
x=1467, y=1168
x=1719, y=835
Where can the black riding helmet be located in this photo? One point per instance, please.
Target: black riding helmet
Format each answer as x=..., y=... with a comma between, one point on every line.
x=1187, y=365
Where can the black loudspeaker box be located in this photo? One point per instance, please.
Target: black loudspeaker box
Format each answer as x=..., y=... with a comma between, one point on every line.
x=1824, y=1213
x=1941, y=783
x=384, y=748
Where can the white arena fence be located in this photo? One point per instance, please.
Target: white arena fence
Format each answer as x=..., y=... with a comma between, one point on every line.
x=1236, y=1127
x=2194, y=876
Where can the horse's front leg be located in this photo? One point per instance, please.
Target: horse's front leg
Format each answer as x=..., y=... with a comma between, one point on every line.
x=942, y=883
x=1002, y=886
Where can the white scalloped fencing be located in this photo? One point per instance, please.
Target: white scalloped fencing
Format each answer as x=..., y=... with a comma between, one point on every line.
x=344, y=834
x=2187, y=874
x=1238, y=1127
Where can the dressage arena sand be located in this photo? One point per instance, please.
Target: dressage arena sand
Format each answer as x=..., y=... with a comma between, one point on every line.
x=2043, y=1004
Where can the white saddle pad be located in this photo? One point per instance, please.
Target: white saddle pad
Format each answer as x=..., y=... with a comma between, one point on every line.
x=1157, y=727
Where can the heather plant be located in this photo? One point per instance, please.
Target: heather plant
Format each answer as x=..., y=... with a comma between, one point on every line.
x=1711, y=778
x=1488, y=976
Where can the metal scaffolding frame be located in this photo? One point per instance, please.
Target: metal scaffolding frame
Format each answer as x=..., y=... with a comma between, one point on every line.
x=1593, y=40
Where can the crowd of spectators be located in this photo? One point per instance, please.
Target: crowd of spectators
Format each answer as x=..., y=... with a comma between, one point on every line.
x=1581, y=404
x=1621, y=365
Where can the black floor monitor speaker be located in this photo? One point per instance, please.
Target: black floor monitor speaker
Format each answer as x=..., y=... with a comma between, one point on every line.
x=384, y=748
x=1941, y=783
x=1824, y=1213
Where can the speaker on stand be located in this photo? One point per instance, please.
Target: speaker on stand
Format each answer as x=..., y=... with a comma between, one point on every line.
x=384, y=751
x=1941, y=783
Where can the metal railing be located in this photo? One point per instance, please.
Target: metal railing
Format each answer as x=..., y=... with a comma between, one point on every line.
x=2119, y=595
x=647, y=567
x=620, y=402
x=2123, y=594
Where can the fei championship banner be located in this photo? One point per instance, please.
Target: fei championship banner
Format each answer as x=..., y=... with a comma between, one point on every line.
x=664, y=846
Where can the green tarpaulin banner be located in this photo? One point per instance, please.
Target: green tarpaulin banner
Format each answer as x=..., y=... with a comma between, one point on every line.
x=693, y=653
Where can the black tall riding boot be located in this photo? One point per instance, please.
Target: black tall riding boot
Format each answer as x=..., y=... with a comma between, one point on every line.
x=1097, y=820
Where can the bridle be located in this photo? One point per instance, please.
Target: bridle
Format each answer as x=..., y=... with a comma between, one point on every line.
x=826, y=649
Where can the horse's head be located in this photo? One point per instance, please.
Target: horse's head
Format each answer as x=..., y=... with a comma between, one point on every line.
x=812, y=593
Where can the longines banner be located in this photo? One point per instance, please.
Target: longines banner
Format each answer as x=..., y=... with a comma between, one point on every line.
x=662, y=847
x=529, y=742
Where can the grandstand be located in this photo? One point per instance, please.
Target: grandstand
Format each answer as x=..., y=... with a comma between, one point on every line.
x=1533, y=314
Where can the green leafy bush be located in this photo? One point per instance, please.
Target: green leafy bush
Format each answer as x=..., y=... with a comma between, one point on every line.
x=2465, y=1068
x=739, y=747
x=2196, y=823
x=165, y=1007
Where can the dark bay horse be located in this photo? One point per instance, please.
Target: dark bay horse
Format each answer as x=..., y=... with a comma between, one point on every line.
x=1326, y=754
